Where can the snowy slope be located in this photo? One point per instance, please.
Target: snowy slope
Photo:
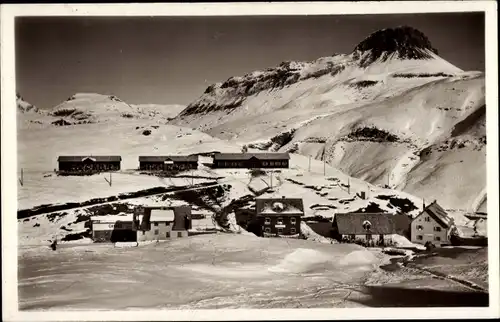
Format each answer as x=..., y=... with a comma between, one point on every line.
x=372, y=113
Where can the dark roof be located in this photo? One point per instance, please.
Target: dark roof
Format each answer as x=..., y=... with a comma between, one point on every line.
x=279, y=206
x=247, y=156
x=97, y=158
x=438, y=213
x=352, y=223
x=174, y=158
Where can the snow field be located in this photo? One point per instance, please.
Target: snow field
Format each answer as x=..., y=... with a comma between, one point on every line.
x=198, y=272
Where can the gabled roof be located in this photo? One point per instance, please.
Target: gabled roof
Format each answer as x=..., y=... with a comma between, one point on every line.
x=438, y=214
x=174, y=158
x=95, y=158
x=248, y=156
x=352, y=223
x=279, y=206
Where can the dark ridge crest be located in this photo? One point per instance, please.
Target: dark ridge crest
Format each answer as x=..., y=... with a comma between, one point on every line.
x=406, y=42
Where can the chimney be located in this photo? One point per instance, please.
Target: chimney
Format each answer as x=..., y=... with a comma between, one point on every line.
x=423, y=203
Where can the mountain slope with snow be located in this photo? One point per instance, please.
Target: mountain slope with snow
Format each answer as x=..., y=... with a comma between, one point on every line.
x=392, y=112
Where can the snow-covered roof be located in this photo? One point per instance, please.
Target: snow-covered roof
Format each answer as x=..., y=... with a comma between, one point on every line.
x=162, y=215
x=175, y=158
x=355, y=223
x=248, y=156
x=95, y=158
x=439, y=214
x=279, y=206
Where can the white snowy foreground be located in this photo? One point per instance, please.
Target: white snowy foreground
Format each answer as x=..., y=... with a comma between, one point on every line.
x=205, y=271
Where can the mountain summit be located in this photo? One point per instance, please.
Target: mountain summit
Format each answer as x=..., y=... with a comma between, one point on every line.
x=404, y=42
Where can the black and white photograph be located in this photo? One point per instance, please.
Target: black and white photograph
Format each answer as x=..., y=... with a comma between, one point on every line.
x=164, y=161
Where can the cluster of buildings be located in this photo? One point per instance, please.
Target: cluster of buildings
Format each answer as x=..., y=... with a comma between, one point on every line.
x=146, y=224
x=271, y=217
x=101, y=163
x=433, y=225
x=281, y=217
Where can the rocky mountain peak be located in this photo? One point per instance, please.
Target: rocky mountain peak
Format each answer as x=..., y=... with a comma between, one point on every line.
x=404, y=42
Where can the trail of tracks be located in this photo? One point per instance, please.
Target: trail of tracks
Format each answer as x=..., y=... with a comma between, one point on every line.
x=440, y=275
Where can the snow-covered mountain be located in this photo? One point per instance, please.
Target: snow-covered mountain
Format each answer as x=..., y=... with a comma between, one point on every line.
x=23, y=106
x=390, y=112
x=83, y=108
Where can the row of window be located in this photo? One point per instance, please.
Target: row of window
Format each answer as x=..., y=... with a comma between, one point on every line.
x=274, y=163
x=264, y=163
x=280, y=230
x=280, y=221
x=93, y=166
x=162, y=166
x=420, y=237
x=420, y=227
x=157, y=232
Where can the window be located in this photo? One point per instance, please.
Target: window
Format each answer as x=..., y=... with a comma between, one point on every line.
x=292, y=231
x=437, y=238
x=156, y=224
x=265, y=163
x=428, y=219
x=267, y=230
x=280, y=231
x=179, y=234
x=420, y=227
x=437, y=228
x=267, y=221
x=280, y=221
x=419, y=237
x=143, y=233
x=168, y=234
x=293, y=221
x=352, y=237
x=156, y=231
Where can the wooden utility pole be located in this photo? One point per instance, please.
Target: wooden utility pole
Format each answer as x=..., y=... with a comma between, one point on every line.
x=309, y=163
x=348, y=185
x=110, y=181
x=324, y=168
x=21, y=180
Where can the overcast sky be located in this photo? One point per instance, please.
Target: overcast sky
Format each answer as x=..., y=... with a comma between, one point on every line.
x=171, y=60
